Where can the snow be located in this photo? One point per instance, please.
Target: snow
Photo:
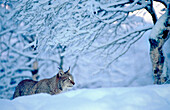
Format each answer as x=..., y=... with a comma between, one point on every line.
x=159, y=26
x=151, y=97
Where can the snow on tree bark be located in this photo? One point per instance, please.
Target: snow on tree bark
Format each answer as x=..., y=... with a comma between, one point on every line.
x=159, y=35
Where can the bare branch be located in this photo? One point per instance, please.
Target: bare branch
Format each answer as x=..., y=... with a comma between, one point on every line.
x=151, y=10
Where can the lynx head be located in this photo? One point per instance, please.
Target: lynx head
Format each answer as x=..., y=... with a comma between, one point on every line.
x=66, y=80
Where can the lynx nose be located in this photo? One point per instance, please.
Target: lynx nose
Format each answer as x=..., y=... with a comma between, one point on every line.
x=72, y=82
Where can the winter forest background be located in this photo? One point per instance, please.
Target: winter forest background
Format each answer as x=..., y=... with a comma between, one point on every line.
x=105, y=42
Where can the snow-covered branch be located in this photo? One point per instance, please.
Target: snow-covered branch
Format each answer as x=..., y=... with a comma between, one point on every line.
x=164, y=2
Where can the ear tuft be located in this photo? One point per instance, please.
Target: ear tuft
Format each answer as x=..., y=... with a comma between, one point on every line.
x=58, y=75
x=68, y=71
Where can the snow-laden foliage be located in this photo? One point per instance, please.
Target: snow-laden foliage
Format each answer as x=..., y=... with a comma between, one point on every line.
x=80, y=25
x=120, y=98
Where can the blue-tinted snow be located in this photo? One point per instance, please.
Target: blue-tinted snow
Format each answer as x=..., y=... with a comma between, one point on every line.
x=120, y=98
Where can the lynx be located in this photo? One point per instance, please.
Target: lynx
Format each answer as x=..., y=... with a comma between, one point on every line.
x=58, y=83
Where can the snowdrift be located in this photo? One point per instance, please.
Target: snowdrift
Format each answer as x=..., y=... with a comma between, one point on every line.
x=120, y=98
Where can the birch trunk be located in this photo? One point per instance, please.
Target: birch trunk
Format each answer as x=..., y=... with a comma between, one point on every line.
x=159, y=35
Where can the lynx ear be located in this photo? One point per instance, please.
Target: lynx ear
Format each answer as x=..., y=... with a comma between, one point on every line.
x=60, y=73
x=68, y=71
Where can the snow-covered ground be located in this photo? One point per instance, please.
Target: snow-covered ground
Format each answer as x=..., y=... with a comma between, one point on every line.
x=119, y=98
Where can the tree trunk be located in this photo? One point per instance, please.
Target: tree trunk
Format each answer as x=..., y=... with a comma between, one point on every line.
x=159, y=35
